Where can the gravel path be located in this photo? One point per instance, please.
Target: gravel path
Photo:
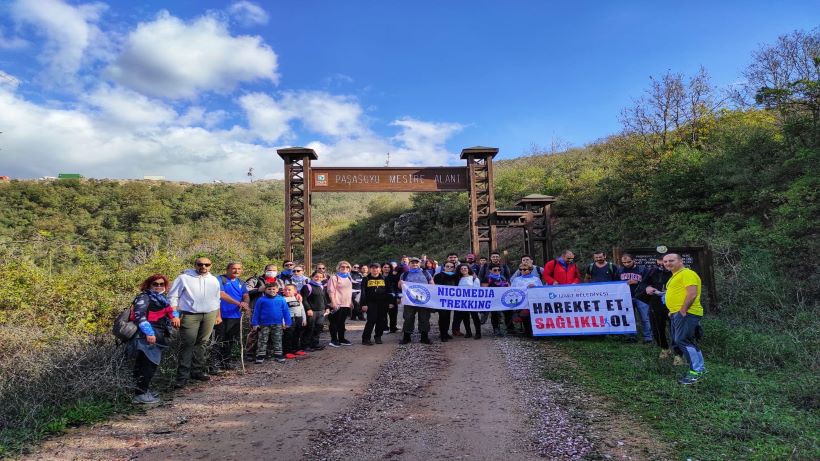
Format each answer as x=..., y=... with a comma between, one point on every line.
x=482, y=399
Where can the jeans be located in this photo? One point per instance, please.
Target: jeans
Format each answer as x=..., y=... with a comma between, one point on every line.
x=194, y=332
x=642, y=312
x=684, y=329
x=269, y=331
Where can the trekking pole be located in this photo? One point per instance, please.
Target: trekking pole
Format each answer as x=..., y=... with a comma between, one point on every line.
x=241, y=340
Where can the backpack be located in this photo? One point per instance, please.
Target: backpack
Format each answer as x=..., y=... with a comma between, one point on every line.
x=610, y=269
x=124, y=328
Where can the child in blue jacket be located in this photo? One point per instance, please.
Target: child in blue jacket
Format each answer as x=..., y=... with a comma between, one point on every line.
x=269, y=314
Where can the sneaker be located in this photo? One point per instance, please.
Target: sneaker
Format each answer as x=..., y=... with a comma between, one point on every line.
x=425, y=339
x=290, y=356
x=477, y=336
x=447, y=336
x=690, y=378
x=406, y=339
x=345, y=342
x=367, y=342
x=677, y=361
x=334, y=344
x=318, y=347
x=145, y=399
x=260, y=359
x=378, y=340
x=201, y=377
x=468, y=335
x=665, y=353
x=279, y=358
x=300, y=353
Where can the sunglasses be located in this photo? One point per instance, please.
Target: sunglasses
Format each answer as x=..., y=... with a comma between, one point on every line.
x=524, y=269
x=320, y=268
x=297, y=270
x=203, y=264
x=495, y=270
x=288, y=265
x=158, y=284
x=344, y=266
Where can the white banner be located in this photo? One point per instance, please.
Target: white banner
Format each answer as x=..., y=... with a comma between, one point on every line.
x=584, y=309
x=483, y=299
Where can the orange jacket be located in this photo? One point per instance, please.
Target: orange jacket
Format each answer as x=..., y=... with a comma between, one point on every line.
x=555, y=272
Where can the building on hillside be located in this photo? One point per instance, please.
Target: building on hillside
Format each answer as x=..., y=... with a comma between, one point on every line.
x=154, y=178
x=69, y=176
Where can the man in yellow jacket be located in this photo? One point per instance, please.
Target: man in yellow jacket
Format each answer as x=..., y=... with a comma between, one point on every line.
x=682, y=297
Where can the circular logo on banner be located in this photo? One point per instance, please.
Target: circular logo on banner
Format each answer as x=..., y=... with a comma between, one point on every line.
x=513, y=298
x=552, y=295
x=419, y=294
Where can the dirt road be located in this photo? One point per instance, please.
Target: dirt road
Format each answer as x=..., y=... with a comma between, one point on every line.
x=466, y=399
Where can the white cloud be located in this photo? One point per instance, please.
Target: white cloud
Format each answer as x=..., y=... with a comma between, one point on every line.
x=170, y=58
x=9, y=81
x=321, y=113
x=42, y=141
x=248, y=14
x=68, y=30
x=129, y=109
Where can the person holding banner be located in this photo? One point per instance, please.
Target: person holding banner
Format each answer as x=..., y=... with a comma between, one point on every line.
x=415, y=275
x=447, y=276
x=496, y=280
x=682, y=298
x=526, y=279
x=635, y=276
x=562, y=270
x=468, y=279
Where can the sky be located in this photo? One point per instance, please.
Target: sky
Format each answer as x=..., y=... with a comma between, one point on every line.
x=203, y=91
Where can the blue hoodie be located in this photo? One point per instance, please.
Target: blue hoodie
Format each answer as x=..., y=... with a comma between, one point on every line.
x=271, y=310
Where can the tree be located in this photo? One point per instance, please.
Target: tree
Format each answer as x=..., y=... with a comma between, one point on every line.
x=671, y=111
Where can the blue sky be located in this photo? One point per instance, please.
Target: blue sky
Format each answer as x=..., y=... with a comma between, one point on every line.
x=203, y=90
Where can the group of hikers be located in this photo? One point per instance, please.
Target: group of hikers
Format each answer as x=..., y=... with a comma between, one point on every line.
x=288, y=309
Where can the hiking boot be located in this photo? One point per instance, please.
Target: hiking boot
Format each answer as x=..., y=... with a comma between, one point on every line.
x=260, y=359
x=425, y=339
x=447, y=336
x=477, y=336
x=443, y=339
x=406, y=339
x=468, y=335
x=367, y=342
x=345, y=342
x=145, y=399
x=665, y=353
x=201, y=377
x=677, y=361
x=690, y=378
x=378, y=340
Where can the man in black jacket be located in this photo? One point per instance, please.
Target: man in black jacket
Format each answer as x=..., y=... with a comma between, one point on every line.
x=376, y=298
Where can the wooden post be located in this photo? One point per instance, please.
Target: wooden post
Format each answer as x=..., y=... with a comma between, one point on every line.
x=297, y=202
x=482, y=197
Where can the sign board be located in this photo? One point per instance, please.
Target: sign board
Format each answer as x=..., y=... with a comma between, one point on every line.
x=603, y=308
x=699, y=259
x=422, y=179
x=455, y=298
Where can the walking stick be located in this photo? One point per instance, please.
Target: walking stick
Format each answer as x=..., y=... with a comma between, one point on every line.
x=241, y=340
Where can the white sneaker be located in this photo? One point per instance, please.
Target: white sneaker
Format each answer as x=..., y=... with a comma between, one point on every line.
x=145, y=399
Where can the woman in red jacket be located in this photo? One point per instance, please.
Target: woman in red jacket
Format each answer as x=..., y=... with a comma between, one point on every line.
x=562, y=270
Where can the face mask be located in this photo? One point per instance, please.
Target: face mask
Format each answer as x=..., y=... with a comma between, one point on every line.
x=449, y=272
x=343, y=275
x=494, y=276
x=287, y=272
x=415, y=271
x=271, y=273
x=158, y=289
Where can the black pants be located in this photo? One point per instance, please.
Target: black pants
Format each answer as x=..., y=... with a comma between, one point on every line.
x=336, y=323
x=495, y=319
x=313, y=329
x=443, y=322
x=375, y=320
x=393, y=315
x=659, y=318
x=458, y=318
x=464, y=316
x=144, y=370
x=292, y=336
x=227, y=334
